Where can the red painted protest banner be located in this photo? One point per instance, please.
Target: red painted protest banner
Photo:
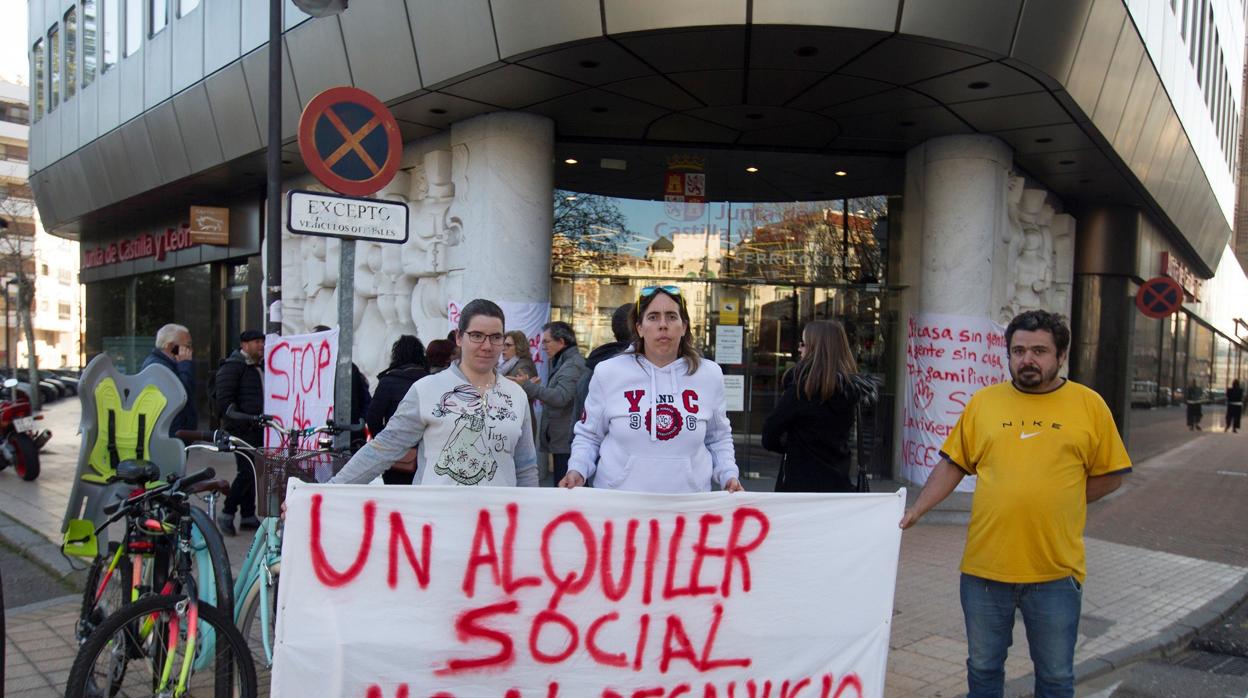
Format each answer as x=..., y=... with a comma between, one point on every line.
x=516, y=592
x=299, y=381
x=948, y=357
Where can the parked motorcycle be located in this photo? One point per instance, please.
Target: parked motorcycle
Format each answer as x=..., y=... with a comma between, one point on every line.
x=20, y=440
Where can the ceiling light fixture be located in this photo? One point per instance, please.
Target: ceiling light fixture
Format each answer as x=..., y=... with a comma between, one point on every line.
x=979, y=85
x=569, y=198
x=1045, y=139
x=589, y=64
x=751, y=169
x=570, y=161
x=1065, y=162
x=437, y=110
x=840, y=173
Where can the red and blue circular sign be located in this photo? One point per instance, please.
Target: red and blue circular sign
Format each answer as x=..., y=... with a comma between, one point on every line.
x=1159, y=297
x=350, y=141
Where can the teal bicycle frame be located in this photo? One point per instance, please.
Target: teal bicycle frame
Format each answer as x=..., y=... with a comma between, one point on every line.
x=258, y=577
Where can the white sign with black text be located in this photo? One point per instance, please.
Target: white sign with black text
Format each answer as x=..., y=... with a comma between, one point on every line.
x=729, y=340
x=347, y=217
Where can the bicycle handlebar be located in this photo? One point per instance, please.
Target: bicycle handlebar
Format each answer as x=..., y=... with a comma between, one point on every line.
x=118, y=509
x=232, y=412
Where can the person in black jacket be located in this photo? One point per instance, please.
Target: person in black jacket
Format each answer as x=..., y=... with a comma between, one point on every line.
x=173, y=351
x=623, y=332
x=240, y=382
x=407, y=365
x=811, y=424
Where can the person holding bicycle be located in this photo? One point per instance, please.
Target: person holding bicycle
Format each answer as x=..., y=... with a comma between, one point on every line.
x=240, y=382
x=469, y=425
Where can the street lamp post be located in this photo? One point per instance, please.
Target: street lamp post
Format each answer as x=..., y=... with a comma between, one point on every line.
x=273, y=160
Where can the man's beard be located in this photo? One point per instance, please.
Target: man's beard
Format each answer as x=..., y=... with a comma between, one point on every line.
x=1033, y=378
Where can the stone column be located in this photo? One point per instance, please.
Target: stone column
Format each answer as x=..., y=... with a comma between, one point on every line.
x=504, y=178
x=963, y=200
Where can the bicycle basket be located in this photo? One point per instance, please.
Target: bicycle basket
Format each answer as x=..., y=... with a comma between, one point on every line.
x=276, y=466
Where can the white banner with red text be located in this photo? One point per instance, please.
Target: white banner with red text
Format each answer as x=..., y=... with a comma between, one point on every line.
x=545, y=593
x=948, y=357
x=299, y=381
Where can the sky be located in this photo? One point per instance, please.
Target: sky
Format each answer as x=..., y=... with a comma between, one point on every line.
x=13, y=62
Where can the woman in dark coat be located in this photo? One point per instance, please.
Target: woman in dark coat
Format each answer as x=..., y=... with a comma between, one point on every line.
x=407, y=365
x=1234, y=405
x=812, y=422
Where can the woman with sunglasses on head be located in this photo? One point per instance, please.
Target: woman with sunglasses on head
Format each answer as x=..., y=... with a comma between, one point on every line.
x=655, y=419
x=813, y=419
x=469, y=425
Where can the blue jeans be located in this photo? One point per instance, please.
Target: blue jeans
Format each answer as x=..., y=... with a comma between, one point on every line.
x=1051, y=618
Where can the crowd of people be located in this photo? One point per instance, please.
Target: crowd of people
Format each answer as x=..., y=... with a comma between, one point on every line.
x=647, y=413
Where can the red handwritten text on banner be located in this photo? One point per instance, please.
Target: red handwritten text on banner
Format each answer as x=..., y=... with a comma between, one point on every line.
x=497, y=592
x=299, y=381
x=948, y=357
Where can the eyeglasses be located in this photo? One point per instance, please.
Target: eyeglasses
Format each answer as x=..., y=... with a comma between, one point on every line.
x=479, y=337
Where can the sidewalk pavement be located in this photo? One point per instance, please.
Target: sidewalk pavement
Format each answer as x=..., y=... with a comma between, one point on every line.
x=1143, y=595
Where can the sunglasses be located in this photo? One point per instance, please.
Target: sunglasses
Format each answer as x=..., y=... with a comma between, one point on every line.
x=648, y=291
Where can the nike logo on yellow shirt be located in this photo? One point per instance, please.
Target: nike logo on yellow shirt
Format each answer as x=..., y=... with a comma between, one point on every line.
x=1025, y=435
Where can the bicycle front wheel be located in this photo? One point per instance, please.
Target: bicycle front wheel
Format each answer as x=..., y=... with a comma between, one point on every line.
x=148, y=649
x=255, y=626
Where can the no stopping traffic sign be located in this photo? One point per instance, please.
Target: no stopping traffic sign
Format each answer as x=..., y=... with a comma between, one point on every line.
x=350, y=141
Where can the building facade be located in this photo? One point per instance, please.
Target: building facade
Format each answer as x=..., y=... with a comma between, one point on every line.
x=52, y=262
x=892, y=165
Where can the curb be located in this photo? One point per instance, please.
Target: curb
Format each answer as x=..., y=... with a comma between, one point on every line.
x=1162, y=644
x=35, y=547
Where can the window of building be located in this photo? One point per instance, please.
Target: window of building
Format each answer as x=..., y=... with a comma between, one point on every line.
x=54, y=67
x=37, y=85
x=134, y=26
x=186, y=6
x=14, y=113
x=65, y=276
x=89, y=47
x=112, y=20
x=64, y=311
x=159, y=14
x=43, y=270
x=71, y=52
x=17, y=153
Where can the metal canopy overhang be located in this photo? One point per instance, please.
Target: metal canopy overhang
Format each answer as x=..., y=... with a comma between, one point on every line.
x=798, y=103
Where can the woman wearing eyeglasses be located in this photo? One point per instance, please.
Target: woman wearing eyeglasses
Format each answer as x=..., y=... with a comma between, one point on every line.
x=517, y=359
x=812, y=422
x=469, y=426
x=655, y=419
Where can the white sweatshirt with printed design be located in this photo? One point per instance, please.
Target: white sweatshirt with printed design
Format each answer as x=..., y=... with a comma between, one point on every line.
x=651, y=429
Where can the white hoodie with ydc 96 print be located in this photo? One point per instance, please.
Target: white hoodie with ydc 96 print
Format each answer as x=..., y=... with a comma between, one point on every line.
x=651, y=429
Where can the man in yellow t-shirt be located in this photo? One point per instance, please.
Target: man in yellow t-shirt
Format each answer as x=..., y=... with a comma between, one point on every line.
x=1041, y=447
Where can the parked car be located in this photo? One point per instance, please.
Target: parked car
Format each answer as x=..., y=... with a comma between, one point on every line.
x=1216, y=396
x=1144, y=394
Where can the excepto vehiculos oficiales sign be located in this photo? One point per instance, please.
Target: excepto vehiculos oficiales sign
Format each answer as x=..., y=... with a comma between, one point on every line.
x=348, y=217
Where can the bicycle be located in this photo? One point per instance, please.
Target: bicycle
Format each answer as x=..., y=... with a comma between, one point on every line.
x=255, y=588
x=171, y=642
x=141, y=561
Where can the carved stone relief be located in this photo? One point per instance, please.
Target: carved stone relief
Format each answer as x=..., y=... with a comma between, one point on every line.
x=1039, y=254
